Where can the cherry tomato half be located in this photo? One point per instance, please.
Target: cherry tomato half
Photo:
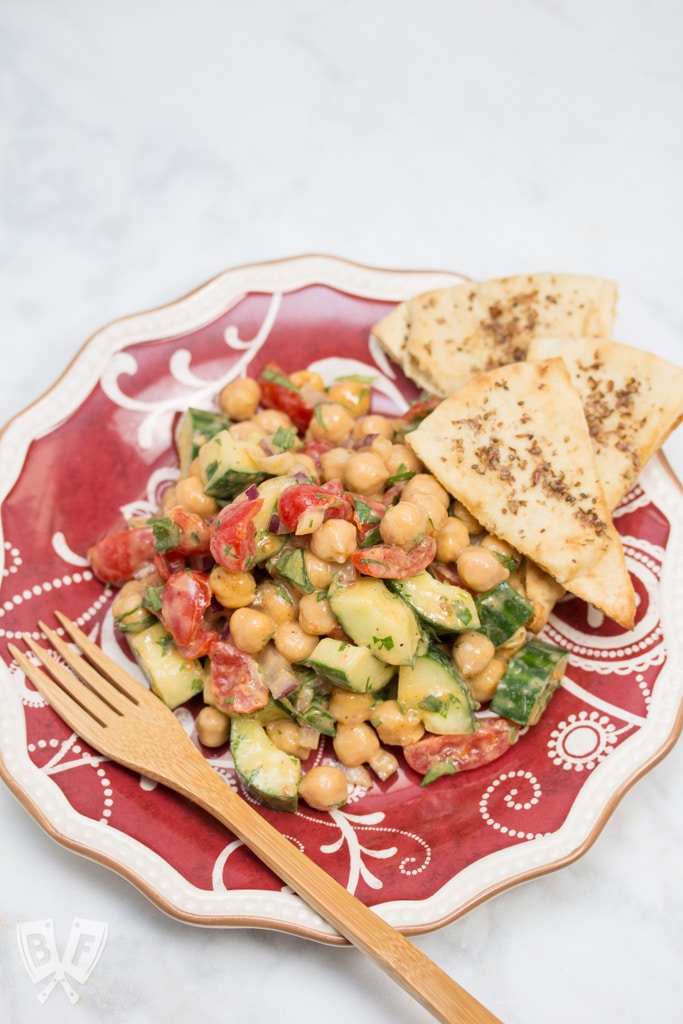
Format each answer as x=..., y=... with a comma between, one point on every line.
x=168, y=563
x=300, y=498
x=119, y=556
x=463, y=752
x=233, y=535
x=278, y=392
x=419, y=410
x=236, y=680
x=195, y=534
x=387, y=561
x=184, y=600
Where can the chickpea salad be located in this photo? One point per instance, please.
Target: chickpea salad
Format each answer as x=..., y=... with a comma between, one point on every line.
x=307, y=578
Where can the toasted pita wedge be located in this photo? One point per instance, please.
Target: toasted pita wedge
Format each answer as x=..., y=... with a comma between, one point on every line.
x=453, y=334
x=392, y=334
x=513, y=446
x=543, y=591
x=632, y=401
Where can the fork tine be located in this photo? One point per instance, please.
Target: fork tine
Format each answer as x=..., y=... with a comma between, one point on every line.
x=79, y=691
x=98, y=683
x=120, y=679
x=78, y=719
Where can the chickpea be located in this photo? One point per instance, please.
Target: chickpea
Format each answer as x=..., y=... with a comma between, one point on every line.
x=460, y=512
x=373, y=424
x=500, y=547
x=127, y=608
x=479, y=569
x=484, y=684
x=351, y=708
x=240, y=398
x=400, y=459
x=354, y=394
x=295, y=740
x=191, y=495
x=333, y=463
x=396, y=725
x=404, y=524
x=277, y=601
x=365, y=472
x=451, y=540
x=213, y=727
x=355, y=744
x=307, y=379
x=472, y=652
x=324, y=787
x=380, y=446
x=334, y=541
x=437, y=515
x=247, y=430
x=272, y=420
x=232, y=589
x=331, y=422
x=319, y=573
x=426, y=484
x=292, y=642
x=316, y=615
x=250, y=629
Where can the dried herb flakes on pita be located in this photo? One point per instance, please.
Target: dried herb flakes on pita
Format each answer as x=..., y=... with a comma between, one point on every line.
x=514, y=447
x=632, y=400
x=445, y=337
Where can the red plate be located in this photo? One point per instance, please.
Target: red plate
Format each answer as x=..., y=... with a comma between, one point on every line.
x=99, y=445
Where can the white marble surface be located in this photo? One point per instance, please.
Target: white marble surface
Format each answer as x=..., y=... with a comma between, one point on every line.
x=148, y=145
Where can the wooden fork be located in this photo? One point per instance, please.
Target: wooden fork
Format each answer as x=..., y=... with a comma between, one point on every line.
x=121, y=719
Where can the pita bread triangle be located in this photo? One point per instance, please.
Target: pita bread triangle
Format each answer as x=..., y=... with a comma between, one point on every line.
x=445, y=337
x=513, y=446
x=392, y=333
x=632, y=400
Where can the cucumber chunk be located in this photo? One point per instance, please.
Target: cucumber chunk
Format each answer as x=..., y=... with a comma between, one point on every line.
x=227, y=467
x=196, y=427
x=444, y=607
x=529, y=682
x=173, y=678
x=433, y=687
x=269, y=490
x=377, y=619
x=266, y=772
x=349, y=666
x=502, y=611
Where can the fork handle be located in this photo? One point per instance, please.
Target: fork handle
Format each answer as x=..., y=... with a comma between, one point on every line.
x=387, y=947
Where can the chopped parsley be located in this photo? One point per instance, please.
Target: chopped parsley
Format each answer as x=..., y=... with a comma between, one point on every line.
x=437, y=770
x=284, y=438
x=166, y=534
